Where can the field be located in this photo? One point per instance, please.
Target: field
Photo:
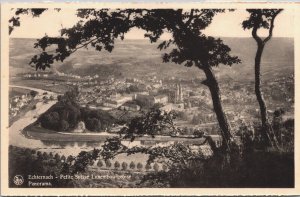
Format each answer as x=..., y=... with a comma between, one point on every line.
x=40, y=84
x=17, y=92
x=135, y=58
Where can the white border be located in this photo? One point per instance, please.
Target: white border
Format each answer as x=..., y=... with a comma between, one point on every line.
x=5, y=190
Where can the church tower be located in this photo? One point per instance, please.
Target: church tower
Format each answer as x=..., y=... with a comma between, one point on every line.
x=178, y=94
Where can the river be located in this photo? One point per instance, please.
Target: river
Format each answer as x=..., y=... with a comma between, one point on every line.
x=16, y=138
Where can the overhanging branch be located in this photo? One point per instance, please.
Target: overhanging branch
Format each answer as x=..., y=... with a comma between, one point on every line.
x=271, y=27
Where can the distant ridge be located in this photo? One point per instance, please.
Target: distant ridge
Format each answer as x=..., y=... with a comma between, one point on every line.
x=134, y=58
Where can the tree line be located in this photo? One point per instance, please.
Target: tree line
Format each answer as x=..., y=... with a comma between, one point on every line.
x=66, y=114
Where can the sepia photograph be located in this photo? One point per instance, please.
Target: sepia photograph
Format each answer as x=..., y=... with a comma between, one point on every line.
x=150, y=97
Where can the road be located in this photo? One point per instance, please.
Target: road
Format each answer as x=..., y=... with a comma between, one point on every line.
x=40, y=91
x=16, y=137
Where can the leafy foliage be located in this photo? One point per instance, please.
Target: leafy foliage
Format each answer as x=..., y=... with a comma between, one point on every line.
x=26, y=162
x=117, y=165
x=151, y=123
x=15, y=20
x=283, y=130
x=100, y=163
x=124, y=165
x=96, y=120
x=132, y=165
x=260, y=18
x=66, y=114
x=81, y=161
x=34, y=12
x=100, y=28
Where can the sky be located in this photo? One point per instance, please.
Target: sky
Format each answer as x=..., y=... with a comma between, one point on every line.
x=224, y=25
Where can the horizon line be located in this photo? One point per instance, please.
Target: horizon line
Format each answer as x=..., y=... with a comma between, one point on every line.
x=164, y=39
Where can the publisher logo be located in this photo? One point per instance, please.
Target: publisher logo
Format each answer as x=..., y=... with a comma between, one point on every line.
x=18, y=180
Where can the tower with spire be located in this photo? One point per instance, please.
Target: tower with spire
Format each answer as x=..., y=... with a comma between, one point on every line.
x=178, y=94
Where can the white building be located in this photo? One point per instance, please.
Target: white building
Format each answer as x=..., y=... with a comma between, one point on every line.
x=117, y=102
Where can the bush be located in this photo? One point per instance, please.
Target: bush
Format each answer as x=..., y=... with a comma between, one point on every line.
x=33, y=93
x=104, y=117
x=132, y=165
x=70, y=158
x=117, y=164
x=50, y=121
x=93, y=124
x=156, y=167
x=139, y=166
x=124, y=166
x=63, y=158
x=283, y=130
x=57, y=157
x=45, y=156
x=108, y=163
x=100, y=163
x=39, y=154
x=27, y=151
x=64, y=125
x=50, y=155
x=148, y=167
x=198, y=134
x=33, y=151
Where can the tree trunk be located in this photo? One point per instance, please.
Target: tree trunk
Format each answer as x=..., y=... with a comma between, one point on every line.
x=266, y=127
x=213, y=86
x=258, y=93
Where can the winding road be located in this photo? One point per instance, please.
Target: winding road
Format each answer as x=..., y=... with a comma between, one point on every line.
x=40, y=91
x=16, y=137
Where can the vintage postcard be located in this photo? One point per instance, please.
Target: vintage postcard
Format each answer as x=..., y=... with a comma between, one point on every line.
x=149, y=99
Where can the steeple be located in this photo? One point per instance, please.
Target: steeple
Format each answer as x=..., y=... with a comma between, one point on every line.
x=180, y=93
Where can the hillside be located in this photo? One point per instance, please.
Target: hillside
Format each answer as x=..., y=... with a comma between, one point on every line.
x=133, y=58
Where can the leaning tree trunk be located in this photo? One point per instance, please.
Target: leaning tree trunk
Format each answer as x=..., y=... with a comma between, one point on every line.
x=213, y=86
x=268, y=134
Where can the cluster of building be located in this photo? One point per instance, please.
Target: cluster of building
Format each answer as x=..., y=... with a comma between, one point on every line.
x=113, y=93
x=188, y=97
x=117, y=93
x=36, y=75
x=18, y=102
x=56, y=73
x=70, y=75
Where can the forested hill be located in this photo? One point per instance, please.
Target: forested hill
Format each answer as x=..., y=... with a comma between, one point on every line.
x=133, y=58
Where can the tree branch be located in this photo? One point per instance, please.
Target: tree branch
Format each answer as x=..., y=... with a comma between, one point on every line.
x=255, y=36
x=83, y=45
x=190, y=18
x=271, y=27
